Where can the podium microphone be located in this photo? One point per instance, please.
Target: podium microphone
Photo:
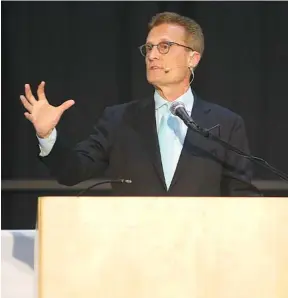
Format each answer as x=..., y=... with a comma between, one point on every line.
x=178, y=109
x=128, y=181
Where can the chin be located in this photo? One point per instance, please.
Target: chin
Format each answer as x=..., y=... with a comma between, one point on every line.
x=154, y=80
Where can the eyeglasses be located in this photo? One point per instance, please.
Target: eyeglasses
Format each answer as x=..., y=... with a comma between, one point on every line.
x=163, y=47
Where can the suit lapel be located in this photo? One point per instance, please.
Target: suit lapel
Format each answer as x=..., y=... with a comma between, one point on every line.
x=144, y=122
x=142, y=119
x=193, y=141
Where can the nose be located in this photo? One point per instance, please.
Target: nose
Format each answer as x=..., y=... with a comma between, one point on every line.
x=153, y=54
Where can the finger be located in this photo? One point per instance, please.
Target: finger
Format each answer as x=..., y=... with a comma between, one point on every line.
x=66, y=105
x=29, y=95
x=28, y=116
x=26, y=103
x=41, y=91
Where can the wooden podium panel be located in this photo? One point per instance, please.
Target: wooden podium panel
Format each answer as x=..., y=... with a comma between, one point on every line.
x=125, y=247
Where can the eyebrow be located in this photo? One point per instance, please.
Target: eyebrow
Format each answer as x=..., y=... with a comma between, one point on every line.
x=162, y=39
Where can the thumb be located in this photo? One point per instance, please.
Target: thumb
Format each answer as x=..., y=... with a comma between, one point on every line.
x=67, y=104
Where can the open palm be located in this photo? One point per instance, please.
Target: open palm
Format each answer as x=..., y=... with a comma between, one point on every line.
x=43, y=116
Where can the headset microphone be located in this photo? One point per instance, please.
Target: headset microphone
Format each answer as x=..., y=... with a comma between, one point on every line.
x=167, y=69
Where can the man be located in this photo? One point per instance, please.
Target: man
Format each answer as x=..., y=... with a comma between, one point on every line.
x=141, y=140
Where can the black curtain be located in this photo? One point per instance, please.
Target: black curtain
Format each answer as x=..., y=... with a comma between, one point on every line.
x=88, y=51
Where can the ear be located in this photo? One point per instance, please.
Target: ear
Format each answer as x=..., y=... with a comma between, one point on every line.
x=194, y=59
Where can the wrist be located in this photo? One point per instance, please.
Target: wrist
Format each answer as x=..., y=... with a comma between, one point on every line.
x=41, y=136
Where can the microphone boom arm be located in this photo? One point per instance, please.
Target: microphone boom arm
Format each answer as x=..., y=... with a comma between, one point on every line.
x=206, y=133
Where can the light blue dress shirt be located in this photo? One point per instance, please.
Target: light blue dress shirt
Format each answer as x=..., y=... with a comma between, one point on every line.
x=177, y=134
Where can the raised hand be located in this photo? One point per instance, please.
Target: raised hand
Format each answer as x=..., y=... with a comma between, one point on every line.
x=43, y=116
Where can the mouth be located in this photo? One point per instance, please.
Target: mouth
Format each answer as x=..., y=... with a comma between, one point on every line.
x=154, y=67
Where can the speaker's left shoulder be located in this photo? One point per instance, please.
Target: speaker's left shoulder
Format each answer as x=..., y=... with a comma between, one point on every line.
x=217, y=111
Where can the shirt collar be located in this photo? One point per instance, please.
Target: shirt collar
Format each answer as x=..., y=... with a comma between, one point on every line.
x=187, y=99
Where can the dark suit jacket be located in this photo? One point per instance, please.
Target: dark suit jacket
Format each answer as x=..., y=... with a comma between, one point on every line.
x=124, y=144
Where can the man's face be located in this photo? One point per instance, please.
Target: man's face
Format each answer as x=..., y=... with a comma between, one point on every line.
x=176, y=60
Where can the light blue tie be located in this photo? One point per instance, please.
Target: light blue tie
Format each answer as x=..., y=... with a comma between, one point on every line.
x=166, y=136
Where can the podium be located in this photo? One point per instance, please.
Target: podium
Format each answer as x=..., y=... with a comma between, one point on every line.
x=162, y=247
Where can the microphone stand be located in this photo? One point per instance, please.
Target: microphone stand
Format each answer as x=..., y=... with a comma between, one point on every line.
x=104, y=182
x=206, y=133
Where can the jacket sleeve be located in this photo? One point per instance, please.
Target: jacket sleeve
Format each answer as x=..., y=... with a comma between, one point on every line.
x=87, y=159
x=237, y=170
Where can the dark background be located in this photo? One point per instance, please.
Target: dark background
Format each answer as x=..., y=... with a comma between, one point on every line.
x=88, y=51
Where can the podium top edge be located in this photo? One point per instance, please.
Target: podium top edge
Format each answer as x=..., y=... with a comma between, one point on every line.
x=158, y=197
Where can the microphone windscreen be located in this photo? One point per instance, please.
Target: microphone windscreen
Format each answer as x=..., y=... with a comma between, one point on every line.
x=176, y=105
